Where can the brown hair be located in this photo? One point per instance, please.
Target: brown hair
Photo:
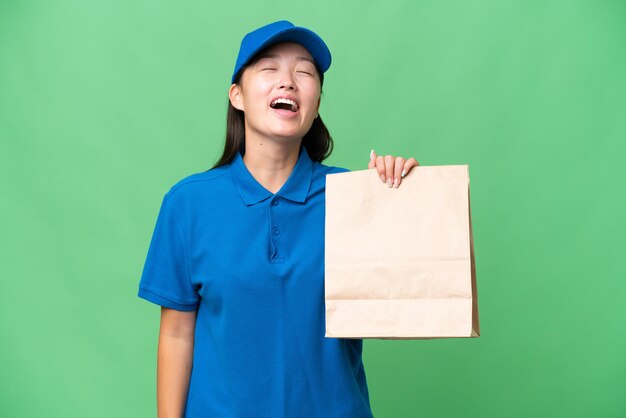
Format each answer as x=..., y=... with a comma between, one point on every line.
x=317, y=141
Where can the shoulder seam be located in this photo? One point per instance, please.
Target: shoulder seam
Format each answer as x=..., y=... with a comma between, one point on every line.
x=186, y=182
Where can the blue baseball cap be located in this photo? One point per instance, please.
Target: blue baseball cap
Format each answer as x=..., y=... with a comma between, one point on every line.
x=282, y=31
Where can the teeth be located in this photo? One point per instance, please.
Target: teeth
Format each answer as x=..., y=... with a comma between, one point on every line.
x=293, y=104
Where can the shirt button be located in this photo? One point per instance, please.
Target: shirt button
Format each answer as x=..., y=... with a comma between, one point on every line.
x=275, y=230
x=275, y=201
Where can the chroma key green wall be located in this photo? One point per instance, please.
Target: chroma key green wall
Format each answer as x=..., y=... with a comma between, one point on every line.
x=105, y=104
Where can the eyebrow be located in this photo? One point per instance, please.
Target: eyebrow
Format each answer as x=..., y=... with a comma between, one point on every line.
x=300, y=57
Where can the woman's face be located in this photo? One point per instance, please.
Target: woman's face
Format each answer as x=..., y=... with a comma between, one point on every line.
x=283, y=70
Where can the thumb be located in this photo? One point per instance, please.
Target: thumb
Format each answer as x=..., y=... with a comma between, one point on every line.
x=372, y=162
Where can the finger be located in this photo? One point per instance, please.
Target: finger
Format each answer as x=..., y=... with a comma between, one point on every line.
x=389, y=160
x=397, y=172
x=408, y=165
x=380, y=167
x=372, y=162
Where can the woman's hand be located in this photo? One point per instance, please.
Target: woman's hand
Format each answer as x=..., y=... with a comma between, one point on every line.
x=390, y=169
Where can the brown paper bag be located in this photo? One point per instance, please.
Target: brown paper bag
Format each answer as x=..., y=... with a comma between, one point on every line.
x=399, y=262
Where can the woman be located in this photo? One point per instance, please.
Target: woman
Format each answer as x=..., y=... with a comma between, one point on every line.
x=236, y=260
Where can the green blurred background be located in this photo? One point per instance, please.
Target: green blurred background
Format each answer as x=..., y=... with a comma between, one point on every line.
x=105, y=104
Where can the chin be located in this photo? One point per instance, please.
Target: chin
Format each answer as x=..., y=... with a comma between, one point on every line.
x=286, y=137
x=287, y=133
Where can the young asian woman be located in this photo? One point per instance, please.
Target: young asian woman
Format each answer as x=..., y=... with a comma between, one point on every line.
x=236, y=260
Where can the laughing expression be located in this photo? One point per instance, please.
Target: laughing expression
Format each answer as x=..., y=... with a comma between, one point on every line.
x=279, y=93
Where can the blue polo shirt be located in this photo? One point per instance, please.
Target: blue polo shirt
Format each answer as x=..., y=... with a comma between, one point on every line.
x=252, y=264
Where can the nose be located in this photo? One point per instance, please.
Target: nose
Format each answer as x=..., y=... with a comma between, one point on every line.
x=285, y=80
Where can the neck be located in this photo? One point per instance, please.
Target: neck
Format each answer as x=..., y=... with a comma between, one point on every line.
x=271, y=162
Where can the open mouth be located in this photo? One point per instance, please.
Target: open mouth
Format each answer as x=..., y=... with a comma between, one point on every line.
x=285, y=104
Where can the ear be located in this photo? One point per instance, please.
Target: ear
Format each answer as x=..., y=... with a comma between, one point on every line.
x=319, y=100
x=236, y=97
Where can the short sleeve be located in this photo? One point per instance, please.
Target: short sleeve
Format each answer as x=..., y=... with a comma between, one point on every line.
x=165, y=279
x=336, y=169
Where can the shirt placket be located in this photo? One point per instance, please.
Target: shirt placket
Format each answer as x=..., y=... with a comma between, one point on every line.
x=275, y=231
